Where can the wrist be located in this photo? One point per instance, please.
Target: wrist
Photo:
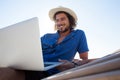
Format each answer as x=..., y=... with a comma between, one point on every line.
x=75, y=64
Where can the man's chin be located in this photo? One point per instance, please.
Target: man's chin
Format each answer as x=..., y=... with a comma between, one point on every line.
x=63, y=31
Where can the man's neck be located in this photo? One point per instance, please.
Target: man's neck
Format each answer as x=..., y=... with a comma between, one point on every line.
x=62, y=36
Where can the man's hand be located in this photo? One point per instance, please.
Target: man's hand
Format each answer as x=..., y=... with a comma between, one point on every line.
x=66, y=65
x=81, y=62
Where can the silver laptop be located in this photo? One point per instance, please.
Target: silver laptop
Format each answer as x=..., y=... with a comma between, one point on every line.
x=20, y=47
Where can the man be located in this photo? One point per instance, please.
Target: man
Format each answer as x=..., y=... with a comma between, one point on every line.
x=63, y=45
x=60, y=46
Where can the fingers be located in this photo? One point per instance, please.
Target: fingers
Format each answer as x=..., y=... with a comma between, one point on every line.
x=60, y=60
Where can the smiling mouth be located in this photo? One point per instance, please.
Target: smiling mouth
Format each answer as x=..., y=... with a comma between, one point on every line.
x=60, y=28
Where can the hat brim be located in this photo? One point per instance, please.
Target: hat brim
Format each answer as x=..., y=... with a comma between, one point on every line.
x=67, y=10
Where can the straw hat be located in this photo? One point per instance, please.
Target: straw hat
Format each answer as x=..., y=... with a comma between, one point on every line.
x=67, y=10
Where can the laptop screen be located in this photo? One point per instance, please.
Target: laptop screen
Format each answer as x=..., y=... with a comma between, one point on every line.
x=20, y=46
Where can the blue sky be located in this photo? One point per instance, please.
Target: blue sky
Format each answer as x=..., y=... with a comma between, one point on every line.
x=100, y=19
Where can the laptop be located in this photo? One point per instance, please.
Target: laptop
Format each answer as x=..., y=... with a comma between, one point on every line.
x=20, y=47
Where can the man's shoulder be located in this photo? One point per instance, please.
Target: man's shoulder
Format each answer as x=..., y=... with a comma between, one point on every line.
x=49, y=35
x=79, y=31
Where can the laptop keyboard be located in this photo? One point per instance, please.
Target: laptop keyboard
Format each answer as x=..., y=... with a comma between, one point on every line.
x=47, y=65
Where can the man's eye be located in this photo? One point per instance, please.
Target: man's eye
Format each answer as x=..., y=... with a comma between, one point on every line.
x=62, y=19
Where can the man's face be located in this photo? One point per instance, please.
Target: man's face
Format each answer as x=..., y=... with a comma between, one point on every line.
x=62, y=22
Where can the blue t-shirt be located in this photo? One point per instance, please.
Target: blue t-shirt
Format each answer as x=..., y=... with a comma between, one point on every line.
x=66, y=50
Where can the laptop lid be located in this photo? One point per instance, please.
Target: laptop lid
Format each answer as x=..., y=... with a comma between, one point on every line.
x=20, y=46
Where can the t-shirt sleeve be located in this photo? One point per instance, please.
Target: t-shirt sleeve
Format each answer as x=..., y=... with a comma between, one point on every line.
x=82, y=46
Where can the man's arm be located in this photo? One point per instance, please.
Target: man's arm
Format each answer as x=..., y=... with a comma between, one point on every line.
x=84, y=56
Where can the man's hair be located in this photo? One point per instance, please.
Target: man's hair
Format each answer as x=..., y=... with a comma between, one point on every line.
x=71, y=19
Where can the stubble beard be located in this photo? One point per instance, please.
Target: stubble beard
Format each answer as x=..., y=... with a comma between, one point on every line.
x=61, y=29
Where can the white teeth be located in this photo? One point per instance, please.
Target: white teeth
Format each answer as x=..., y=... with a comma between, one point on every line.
x=60, y=28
